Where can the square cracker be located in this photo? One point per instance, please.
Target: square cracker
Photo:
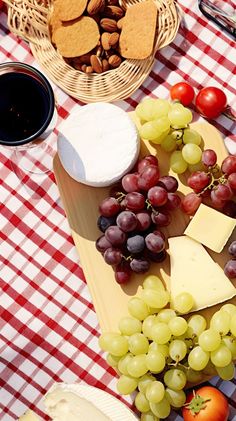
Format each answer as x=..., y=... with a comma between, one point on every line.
x=138, y=30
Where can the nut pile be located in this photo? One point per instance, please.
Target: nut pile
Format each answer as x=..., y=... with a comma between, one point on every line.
x=87, y=34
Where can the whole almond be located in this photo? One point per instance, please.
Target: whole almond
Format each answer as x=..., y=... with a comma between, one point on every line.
x=105, y=65
x=95, y=6
x=105, y=37
x=120, y=23
x=96, y=63
x=89, y=69
x=109, y=25
x=114, y=60
x=113, y=11
x=114, y=38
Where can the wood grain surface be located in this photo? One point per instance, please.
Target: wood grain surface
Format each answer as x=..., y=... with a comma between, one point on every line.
x=81, y=206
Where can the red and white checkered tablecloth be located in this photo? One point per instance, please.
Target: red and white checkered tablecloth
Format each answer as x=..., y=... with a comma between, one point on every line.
x=48, y=327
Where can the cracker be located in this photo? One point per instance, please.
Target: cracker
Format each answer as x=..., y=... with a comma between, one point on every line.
x=70, y=9
x=77, y=38
x=138, y=30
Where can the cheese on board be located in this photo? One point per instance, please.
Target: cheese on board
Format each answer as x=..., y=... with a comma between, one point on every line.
x=98, y=144
x=194, y=271
x=29, y=416
x=210, y=228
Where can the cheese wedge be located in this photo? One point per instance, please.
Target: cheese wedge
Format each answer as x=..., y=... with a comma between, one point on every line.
x=211, y=228
x=194, y=271
x=29, y=416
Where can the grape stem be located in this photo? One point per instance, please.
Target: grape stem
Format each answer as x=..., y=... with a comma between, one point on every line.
x=120, y=196
x=214, y=181
x=196, y=404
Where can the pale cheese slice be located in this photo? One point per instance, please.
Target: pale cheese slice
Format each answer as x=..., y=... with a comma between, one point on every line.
x=29, y=416
x=194, y=271
x=211, y=228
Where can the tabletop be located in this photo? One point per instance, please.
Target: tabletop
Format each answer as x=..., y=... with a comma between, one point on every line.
x=48, y=326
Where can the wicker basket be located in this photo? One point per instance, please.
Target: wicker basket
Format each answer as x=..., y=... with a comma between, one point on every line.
x=29, y=20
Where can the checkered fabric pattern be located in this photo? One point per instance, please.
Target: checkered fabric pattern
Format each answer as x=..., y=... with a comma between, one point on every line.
x=48, y=327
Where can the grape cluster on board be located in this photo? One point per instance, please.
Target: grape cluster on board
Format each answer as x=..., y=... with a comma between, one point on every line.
x=216, y=185
x=167, y=124
x=157, y=352
x=131, y=218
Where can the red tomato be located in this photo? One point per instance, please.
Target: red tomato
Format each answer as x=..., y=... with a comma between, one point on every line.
x=183, y=92
x=206, y=404
x=210, y=102
x=1, y=3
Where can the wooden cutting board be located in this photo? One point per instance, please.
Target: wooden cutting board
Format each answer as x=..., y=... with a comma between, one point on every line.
x=81, y=207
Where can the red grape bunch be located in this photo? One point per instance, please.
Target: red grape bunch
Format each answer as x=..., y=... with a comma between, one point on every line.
x=130, y=219
x=216, y=186
x=230, y=267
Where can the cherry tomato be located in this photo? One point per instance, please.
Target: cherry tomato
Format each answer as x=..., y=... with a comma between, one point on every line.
x=210, y=102
x=183, y=92
x=206, y=404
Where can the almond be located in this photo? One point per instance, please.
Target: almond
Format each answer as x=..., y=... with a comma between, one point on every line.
x=105, y=65
x=96, y=63
x=109, y=25
x=105, y=38
x=113, y=11
x=95, y=6
x=89, y=69
x=114, y=60
x=113, y=39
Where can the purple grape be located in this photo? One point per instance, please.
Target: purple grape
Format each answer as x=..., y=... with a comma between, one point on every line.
x=232, y=249
x=140, y=265
x=155, y=243
x=135, y=201
x=144, y=220
x=173, y=202
x=229, y=208
x=127, y=221
x=157, y=196
x=104, y=222
x=102, y=244
x=135, y=244
x=162, y=219
x=169, y=183
x=115, y=235
x=112, y=256
x=109, y=207
x=122, y=272
x=230, y=269
x=209, y=158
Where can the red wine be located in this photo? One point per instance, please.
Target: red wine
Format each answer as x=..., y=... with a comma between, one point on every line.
x=24, y=108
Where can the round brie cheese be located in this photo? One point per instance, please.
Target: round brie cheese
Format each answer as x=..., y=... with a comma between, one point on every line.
x=98, y=144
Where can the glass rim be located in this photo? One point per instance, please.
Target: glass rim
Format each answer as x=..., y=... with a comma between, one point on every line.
x=41, y=78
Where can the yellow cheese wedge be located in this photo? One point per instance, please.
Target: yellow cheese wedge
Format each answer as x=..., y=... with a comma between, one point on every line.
x=29, y=416
x=211, y=228
x=194, y=271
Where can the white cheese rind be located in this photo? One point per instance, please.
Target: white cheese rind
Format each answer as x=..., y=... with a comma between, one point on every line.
x=194, y=271
x=210, y=228
x=98, y=144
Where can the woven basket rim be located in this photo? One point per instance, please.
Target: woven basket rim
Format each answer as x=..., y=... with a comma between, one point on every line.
x=29, y=20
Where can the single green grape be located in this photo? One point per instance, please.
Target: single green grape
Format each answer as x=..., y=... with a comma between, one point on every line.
x=153, y=282
x=177, y=162
x=141, y=402
x=166, y=315
x=230, y=342
x=178, y=325
x=193, y=376
x=148, y=416
x=229, y=308
x=168, y=144
x=161, y=333
x=155, y=391
x=138, y=344
x=191, y=136
x=138, y=308
x=227, y=372
x=155, y=298
x=221, y=357
x=177, y=350
x=179, y=116
x=118, y=346
x=144, y=381
x=198, y=358
x=175, y=379
x=197, y=323
x=129, y=325
x=164, y=349
x=147, y=325
x=149, y=131
x=209, y=340
x=126, y=385
x=161, y=409
x=155, y=361
x=220, y=322
x=122, y=364
x=112, y=360
x=145, y=110
x=105, y=339
x=176, y=398
x=137, y=366
x=192, y=153
x=183, y=302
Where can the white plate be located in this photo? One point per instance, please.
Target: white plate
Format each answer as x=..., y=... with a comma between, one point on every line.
x=106, y=403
